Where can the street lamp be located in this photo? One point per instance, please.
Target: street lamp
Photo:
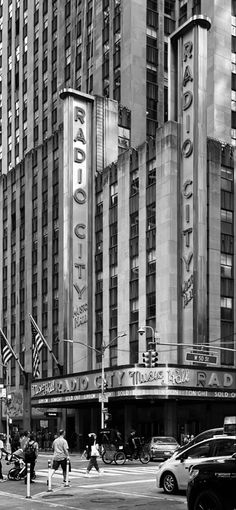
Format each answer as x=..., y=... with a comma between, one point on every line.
x=141, y=331
x=100, y=351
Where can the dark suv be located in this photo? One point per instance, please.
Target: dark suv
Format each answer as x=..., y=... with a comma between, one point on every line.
x=212, y=485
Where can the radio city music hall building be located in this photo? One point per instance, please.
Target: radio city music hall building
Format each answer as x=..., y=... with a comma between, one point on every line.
x=159, y=243
x=136, y=237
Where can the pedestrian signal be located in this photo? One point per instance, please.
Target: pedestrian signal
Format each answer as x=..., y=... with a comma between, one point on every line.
x=146, y=358
x=154, y=359
x=107, y=417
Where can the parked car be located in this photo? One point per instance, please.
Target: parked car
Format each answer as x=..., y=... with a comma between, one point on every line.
x=162, y=447
x=173, y=474
x=200, y=437
x=212, y=485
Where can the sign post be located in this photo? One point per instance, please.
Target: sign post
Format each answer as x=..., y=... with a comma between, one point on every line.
x=202, y=357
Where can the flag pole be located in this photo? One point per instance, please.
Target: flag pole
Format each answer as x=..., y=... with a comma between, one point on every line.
x=10, y=347
x=45, y=342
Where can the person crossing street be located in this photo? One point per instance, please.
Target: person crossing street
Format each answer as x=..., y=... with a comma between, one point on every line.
x=92, y=454
x=60, y=454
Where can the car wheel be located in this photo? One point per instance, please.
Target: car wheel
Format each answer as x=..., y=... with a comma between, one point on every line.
x=209, y=500
x=169, y=483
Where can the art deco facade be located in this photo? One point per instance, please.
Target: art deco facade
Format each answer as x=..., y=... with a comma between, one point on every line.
x=141, y=197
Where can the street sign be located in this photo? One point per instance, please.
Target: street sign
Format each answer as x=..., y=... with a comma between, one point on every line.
x=202, y=357
x=103, y=398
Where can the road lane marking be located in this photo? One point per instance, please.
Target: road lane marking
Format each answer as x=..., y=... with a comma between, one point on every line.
x=107, y=484
x=167, y=498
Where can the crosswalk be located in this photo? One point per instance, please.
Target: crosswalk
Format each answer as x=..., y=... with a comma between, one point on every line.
x=42, y=474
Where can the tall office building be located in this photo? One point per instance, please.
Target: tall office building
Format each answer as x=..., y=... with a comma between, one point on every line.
x=114, y=219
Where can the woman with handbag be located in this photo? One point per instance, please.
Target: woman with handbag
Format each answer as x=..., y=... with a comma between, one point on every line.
x=93, y=453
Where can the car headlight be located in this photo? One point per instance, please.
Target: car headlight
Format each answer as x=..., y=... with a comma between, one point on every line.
x=193, y=472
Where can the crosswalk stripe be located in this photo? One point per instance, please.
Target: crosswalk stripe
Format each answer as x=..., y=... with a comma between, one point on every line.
x=75, y=473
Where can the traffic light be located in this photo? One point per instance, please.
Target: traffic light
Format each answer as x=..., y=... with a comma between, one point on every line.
x=105, y=384
x=153, y=359
x=8, y=400
x=146, y=359
x=107, y=415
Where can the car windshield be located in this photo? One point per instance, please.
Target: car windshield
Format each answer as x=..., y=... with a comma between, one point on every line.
x=165, y=440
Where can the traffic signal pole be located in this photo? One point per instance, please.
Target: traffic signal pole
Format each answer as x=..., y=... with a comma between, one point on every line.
x=102, y=387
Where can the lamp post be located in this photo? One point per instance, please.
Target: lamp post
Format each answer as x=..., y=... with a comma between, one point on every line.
x=154, y=334
x=100, y=351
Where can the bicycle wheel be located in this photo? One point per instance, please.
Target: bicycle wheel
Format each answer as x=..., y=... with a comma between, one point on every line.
x=13, y=474
x=119, y=458
x=107, y=457
x=144, y=456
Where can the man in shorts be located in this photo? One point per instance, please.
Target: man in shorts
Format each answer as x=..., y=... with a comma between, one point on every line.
x=60, y=454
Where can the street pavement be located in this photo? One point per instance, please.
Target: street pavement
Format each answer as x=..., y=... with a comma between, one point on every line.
x=118, y=487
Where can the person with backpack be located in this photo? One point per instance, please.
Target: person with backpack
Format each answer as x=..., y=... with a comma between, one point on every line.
x=31, y=454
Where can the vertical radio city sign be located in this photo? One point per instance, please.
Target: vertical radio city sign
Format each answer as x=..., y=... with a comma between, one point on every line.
x=77, y=192
x=188, y=106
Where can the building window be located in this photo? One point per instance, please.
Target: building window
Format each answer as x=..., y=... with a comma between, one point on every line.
x=134, y=268
x=151, y=216
x=113, y=194
x=113, y=234
x=151, y=261
x=134, y=182
x=226, y=304
x=151, y=305
x=226, y=221
x=226, y=264
x=134, y=224
x=151, y=172
x=134, y=310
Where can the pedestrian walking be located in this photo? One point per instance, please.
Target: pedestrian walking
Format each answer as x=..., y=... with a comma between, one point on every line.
x=31, y=453
x=92, y=454
x=15, y=440
x=24, y=436
x=2, y=450
x=60, y=454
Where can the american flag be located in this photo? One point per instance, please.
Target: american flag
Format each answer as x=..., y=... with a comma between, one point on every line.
x=37, y=345
x=7, y=352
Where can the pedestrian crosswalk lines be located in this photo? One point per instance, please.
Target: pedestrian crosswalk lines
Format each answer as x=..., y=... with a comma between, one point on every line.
x=112, y=471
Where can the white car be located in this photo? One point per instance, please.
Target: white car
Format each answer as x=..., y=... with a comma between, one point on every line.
x=173, y=474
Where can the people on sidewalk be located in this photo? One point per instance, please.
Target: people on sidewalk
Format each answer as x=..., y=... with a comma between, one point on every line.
x=60, y=454
x=2, y=450
x=93, y=453
x=31, y=453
